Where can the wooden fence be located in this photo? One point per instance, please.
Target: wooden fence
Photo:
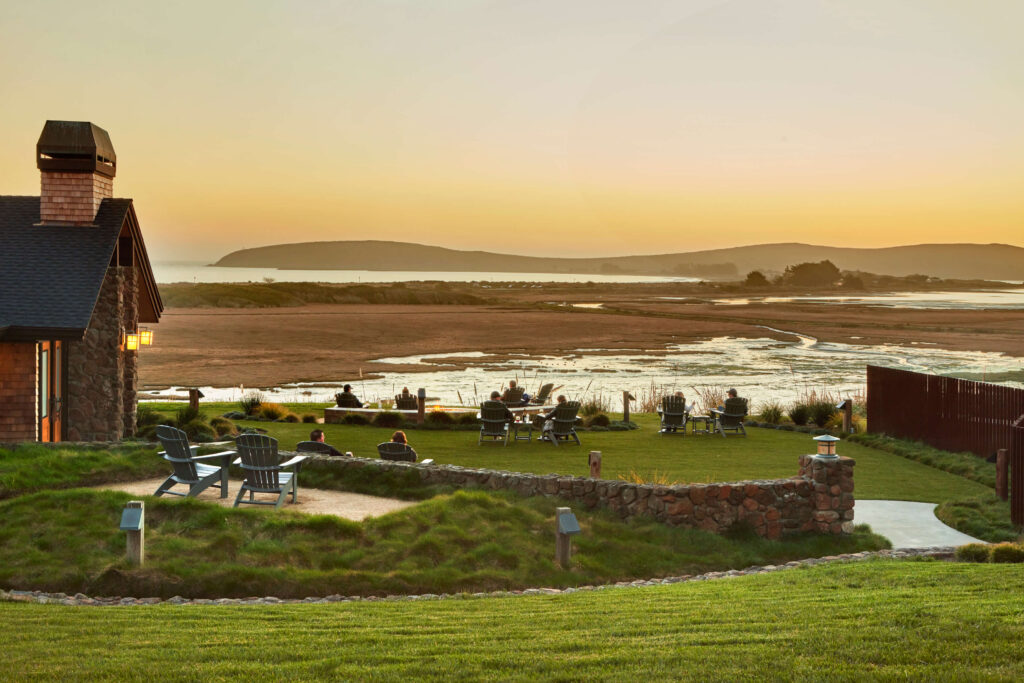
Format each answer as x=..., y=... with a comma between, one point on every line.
x=951, y=414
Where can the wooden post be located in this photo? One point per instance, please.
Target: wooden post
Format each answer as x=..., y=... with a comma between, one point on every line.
x=563, y=542
x=137, y=539
x=193, y=398
x=594, y=459
x=848, y=416
x=1002, y=465
x=421, y=405
x=625, y=406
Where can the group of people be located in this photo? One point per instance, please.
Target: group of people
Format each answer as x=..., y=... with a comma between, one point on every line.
x=318, y=436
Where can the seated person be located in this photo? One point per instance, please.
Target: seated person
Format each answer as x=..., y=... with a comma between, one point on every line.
x=399, y=437
x=346, y=399
x=509, y=415
x=549, y=419
x=731, y=394
x=514, y=395
x=318, y=436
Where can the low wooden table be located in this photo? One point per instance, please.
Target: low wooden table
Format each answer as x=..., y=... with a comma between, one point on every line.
x=527, y=426
x=706, y=422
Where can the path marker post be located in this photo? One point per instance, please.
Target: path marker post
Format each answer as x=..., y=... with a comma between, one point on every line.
x=421, y=405
x=594, y=460
x=133, y=521
x=566, y=526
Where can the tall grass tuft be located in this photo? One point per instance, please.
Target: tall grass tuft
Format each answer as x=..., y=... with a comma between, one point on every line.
x=251, y=402
x=708, y=397
x=771, y=412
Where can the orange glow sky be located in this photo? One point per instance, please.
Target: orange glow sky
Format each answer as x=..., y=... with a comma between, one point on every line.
x=585, y=127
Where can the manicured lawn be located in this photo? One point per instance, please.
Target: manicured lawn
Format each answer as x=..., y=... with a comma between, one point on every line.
x=33, y=467
x=469, y=541
x=881, y=619
x=764, y=454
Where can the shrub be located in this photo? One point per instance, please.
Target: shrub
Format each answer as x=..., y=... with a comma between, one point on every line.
x=620, y=426
x=756, y=278
x=355, y=419
x=468, y=419
x=198, y=430
x=251, y=402
x=973, y=552
x=234, y=415
x=595, y=405
x=799, y=413
x=1007, y=553
x=186, y=415
x=821, y=412
x=271, y=411
x=440, y=417
x=146, y=416
x=290, y=417
x=388, y=420
x=309, y=418
x=771, y=412
x=599, y=428
x=222, y=426
x=599, y=420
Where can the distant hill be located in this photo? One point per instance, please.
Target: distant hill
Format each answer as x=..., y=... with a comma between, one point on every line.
x=960, y=261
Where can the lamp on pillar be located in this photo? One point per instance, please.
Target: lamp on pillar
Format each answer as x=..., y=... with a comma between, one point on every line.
x=827, y=446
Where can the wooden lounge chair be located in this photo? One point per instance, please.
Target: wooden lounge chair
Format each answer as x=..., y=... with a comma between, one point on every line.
x=513, y=396
x=542, y=395
x=673, y=415
x=316, y=447
x=346, y=400
x=188, y=470
x=563, y=425
x=392, y=450
x=406, y=402
x=264, y=471
x=730, y=418
x=493, y=422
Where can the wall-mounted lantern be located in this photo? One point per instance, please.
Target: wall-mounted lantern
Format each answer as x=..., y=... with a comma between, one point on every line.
x=827, y=446
x=129, y=340
x=145, y=336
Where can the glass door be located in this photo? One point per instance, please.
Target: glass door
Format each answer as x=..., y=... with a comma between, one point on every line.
x=44, y=391
x=51, y=391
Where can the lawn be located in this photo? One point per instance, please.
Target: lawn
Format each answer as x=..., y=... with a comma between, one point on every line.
x=878, y=619
x=764, y=454
x=469, y=541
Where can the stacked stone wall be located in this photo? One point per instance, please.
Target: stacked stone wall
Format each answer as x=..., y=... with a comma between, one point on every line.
x=101, y=375
x=819, y=498
x=18, y=392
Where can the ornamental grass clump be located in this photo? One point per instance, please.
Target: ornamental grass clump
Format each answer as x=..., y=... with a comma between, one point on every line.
x=771, y=412
x=799, y=414
x=272, y=411
x=251, y=402
x=388, y=420
x=1007, y=553
x=973, y=552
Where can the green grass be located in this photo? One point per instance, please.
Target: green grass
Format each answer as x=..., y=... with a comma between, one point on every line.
x=764, y=454
x=985, y=517
x=966, y=465
x=32, y=467
x=880, y=619
x=262, y=295
x=469, y=541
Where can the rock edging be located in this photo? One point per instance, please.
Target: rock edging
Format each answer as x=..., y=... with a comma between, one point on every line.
x=80, y=599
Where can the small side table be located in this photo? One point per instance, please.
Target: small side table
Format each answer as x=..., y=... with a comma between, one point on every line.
x=703, y=424
x=522, y=426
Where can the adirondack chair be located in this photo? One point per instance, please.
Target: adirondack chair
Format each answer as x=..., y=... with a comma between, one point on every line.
x=513, y=396
x=493, y=422
x=392, y=450
x=346, y=400
x=563, y=425
x=406, y=402
x=188, y=470
x=673, y=415
x=542, y=395
x=730, y=418
x=264, y=471
x=317, y=447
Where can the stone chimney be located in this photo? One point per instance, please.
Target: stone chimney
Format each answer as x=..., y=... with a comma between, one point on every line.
x=78, y=165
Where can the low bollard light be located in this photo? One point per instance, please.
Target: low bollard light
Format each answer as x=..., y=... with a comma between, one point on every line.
x=133, y=521
x=566, y=527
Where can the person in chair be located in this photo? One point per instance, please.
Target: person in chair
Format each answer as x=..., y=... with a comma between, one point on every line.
x=318, y=436
x=346, y=399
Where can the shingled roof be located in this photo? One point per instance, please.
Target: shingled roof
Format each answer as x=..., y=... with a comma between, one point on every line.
x=50, y=275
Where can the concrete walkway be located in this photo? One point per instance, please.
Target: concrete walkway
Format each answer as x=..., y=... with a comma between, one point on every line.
x=908, y=525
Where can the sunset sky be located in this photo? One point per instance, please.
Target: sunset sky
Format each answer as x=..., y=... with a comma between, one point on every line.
x=586, y=127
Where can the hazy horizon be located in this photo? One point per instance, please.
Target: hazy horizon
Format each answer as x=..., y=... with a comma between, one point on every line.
x=570, y=128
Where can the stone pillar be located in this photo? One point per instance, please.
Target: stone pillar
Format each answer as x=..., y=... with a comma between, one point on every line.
x=832, y=483
x=102, y=376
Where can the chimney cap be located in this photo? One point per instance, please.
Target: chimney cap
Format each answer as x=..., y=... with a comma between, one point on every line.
x=76, y=146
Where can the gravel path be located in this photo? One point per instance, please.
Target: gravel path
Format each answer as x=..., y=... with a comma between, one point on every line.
x=354, y=506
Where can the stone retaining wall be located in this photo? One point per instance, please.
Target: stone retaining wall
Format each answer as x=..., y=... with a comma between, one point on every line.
x=819, y=498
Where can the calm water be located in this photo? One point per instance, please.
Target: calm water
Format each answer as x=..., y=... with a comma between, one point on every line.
x=759, y=368
x=1003, y=299
x=197, y=272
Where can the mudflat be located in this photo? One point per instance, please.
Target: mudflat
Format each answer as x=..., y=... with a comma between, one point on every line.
x=274, y=346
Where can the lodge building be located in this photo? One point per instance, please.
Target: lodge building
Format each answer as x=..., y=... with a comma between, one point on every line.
x=75, y=285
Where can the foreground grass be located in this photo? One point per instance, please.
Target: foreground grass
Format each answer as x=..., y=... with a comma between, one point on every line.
x=764, y=454
x=470, y=541
x=33, y=467
x=880, y=619
x=985, y=517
